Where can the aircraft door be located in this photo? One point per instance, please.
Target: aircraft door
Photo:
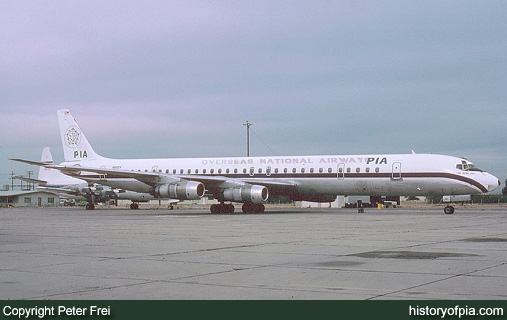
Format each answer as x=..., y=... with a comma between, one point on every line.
x=396, y=175
x=340, y=172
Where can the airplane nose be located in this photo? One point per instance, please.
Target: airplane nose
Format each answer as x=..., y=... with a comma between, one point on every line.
x=492, y=182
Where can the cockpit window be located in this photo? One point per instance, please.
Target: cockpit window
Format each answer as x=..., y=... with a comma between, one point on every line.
x=467, y=166
x=471, y=167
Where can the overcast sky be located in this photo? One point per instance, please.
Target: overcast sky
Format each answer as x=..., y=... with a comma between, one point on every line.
x=178, y=79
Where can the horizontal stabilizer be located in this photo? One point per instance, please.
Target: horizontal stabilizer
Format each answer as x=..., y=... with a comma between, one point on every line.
x=31, y=180
x=60, y=191
x=33, y=163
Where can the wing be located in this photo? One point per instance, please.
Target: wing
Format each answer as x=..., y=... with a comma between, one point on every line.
x=154, y=178
x=215, y=185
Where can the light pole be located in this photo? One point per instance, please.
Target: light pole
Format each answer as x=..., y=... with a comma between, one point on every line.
x=247, y=124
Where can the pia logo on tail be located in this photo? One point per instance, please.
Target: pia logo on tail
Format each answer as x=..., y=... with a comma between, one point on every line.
x=72, y=137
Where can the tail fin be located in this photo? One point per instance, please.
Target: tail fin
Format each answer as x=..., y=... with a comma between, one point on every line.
x=75, y=145
x=46, y=156
x=45, y=173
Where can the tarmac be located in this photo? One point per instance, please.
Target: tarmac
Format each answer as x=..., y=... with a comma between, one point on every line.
x=416, y=254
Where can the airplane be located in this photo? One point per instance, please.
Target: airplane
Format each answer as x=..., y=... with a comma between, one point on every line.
x=250, y=180
x=55, y=181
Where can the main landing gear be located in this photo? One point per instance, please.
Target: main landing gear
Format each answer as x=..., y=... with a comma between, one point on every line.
x=449, y=210
x=90, y=206
x=134, y=206
x=248, y=207
x=222, y=208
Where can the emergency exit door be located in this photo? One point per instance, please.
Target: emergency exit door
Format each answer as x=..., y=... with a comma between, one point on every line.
x=340, y=172
x=396, y=175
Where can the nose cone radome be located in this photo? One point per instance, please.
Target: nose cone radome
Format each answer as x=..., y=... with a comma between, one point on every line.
x=492, y=182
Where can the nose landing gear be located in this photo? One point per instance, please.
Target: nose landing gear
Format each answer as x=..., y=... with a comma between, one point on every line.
x=449, y=210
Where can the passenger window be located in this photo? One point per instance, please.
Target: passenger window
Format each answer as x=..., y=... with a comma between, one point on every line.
x=377, y=169
x=311, y=170
x=285, y=170
x=367, y=170
x=219, y=171
x=226, y=170
x=252, y=171
x=321, y=170
x=235, y=170
x=340, y=170
x=174, y=171
x=348, y=170
x=189, y=171
x=203, y=171
x=167, y=171
x=302, y=170
x=358, y=170
x=181, y=171
x=329, y=170
x=260, y=170
x=293, y=170
x=276, y=170
x=196, y=171
x=244, y=170
x=212, y=171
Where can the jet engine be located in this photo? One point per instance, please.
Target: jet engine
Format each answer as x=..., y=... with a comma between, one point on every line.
x=247, y=193
x=182, y=190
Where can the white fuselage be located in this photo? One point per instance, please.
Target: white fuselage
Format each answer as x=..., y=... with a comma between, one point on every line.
x=382, y=175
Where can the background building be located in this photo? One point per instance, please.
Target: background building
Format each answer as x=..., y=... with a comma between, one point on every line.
x=28, y=199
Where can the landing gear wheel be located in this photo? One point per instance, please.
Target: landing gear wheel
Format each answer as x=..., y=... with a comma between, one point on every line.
x=222, y=208
x=249, y=207
x=171, y=207
x=259, y=208
x=449, y=210
x=134, y=206
x=90, y=206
